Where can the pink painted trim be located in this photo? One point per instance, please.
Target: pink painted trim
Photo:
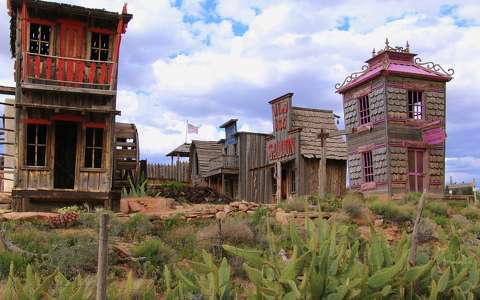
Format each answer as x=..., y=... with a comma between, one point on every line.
x=412, y=86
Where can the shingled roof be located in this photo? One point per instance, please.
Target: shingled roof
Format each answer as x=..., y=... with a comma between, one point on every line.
x=311, y=121
x=206, y=150
x=183, y=150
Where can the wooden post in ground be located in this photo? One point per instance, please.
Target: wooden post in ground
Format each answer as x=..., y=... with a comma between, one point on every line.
x=474, y=188
x=322, y=168
x=102, y=258
x=278, y=193
x=413, y=250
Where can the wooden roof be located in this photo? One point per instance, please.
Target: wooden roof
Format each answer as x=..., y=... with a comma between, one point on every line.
x=206, y=150
x=311, y=121
x=183, y=150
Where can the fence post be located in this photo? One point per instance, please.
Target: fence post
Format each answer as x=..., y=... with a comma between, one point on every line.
x=102, y=258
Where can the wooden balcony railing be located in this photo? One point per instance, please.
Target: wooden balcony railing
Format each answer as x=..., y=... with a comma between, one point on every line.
x=68, y=72
x=224, y=162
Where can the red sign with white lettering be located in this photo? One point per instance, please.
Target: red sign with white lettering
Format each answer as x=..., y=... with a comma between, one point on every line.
x=280, y=115
x=434, y=136
x=281, y=149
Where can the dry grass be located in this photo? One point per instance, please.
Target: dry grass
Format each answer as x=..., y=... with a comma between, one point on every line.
x=233, y=232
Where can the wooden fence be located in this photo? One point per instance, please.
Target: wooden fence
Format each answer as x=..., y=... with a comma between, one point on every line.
x=179, y=171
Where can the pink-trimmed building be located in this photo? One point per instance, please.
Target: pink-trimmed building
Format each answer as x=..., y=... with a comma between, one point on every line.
x=395, y=122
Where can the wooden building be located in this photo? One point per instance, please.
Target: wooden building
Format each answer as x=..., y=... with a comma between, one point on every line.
x=294, y=152
x=201, y=152
x=395, y=119
x=239, y=172
x=66, y=68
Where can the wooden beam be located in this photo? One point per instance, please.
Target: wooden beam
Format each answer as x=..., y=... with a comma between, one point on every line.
x=7, y=90
x=279, y=181
x=69, y=108
x=55, y=88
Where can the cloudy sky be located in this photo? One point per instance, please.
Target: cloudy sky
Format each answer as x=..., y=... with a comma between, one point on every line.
x=207, y=61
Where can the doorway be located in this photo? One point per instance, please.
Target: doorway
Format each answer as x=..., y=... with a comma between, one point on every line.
x=65, y=154
x=284, y=184
x=416, y=173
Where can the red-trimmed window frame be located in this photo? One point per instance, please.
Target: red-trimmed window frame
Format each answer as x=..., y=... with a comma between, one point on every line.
x=101, y=32
x=415, y=108
x=367, y=164
x=40, y=22
x=364, y=110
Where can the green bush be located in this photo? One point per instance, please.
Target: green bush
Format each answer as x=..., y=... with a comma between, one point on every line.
x=437, y=208
x=472, y=213
x=353, y=205
x=441, y=220
x=392, y=211
x=259, y=216
x=73, y=255
x=328, y=204
x=299, y=204
x=137, y=226
x=155, y=251
x=413, y=197
x=8, y=258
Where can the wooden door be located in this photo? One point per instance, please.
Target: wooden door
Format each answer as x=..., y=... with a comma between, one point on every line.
x=71, y=46
x=416, y=170
x=284, y=184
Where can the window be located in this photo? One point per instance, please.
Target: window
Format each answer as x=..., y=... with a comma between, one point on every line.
x=274, y=181
x=367, y=166
x=39, y=39
x=293, y=186
x=364, y=110
x=36, y=145
x=94, y=148
x=99, y=46
x=415, y=105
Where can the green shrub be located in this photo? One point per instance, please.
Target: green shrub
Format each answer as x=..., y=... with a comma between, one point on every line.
x=392, y=211
x=457, y=205
x=155, y=251
x=460, y=221
x=441, y=220
x=472, y=213
x=437, y=208
x=132, y=289
x=329, y=204
x=137, y=226
x=353, y=205
x=427, y=230
x=413, y=197
x=73, y=255
x=259, y=216
x=174, y=186
x=7, y=258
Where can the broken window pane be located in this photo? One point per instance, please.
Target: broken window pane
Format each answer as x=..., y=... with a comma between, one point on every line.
x=100, y=45
x=39, y=39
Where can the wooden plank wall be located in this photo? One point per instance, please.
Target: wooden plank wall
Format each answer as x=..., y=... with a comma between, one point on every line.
x=254, y=176
x=180, y=171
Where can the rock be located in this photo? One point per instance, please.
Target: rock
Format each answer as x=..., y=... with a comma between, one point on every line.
x=29, y=216
x=243, y=207
x=148, y=205
x=221, y=215
x=124, y=208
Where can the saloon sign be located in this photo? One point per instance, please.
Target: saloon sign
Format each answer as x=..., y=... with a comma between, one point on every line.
x=283, y=145
x=280, y=149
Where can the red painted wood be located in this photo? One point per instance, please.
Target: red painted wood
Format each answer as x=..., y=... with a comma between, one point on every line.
x=41, y=21
x=28, y=66
x=60, y=69
x=24, y=26
x=68, y=117
x=36, y=69
x=80, y=71
x=103, y=69
x=95, y=125
x=92, y=72
x=434, y=136
x=109, y=74
x=100, y=30
x=70, y=64
x=48, y=68
x=37, y=121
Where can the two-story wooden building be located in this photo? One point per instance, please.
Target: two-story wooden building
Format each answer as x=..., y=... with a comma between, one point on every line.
x=66, y=69
x=395, y=118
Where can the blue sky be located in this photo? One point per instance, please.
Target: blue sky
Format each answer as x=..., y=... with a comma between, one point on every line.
x=208, y=61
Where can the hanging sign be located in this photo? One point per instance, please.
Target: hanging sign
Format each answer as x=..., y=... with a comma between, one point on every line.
x=434, y=136
x=281, y=149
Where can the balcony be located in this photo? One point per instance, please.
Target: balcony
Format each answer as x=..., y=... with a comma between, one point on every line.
x=223, y=164
x=68, y=74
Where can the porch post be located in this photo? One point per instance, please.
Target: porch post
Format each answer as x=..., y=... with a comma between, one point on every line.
x=279, y=181
x=322, y=167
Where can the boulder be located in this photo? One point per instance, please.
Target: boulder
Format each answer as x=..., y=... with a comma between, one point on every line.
x=29, y=216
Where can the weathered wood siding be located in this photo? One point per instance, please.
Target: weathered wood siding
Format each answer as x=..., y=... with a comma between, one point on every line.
x=179, y=171
x=41, y=178
x=201, y=152
x=255, y=182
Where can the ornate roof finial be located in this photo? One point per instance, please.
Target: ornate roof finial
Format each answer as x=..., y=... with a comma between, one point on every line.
x=407, y=47
x=373, y=52
x=386, y=44
x=124, y=9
